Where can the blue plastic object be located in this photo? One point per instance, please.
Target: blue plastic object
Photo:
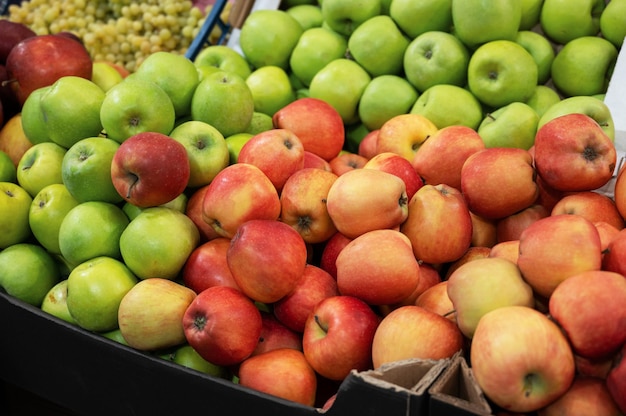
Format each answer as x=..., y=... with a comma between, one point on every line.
x=213, y=19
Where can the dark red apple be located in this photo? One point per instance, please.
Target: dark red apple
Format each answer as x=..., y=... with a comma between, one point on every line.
x=12, y=33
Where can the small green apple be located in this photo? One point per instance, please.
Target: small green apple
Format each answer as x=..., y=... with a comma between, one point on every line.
x=418, y=17
x=501, y=72
x=447, y=105
x=613, y=22
x=186, y=356
x=531, y=9
x=206, y=149
x=136, y=105
x=28, y=272
x=540, y=49
x=33, y=122
x=8, y=172
x=40, y=166
x=315, y=49
x=436, y=57
x=92, y=229
x=223, y=100
x=341, y=84
x=566, y=20
x=591, y=106
x=542, y=99
x=584, y=66
x=86, y=170
x=175, y=74
x=260, y=122
x=71, y=110
x=104, y=75
x=308, y=15
x=95, y=290
x=268, y=36
x=271, y=89
x=477, y=22
x=385, y=97
x=115, y=335
x=46, y=214
x=55, y=302
x=15, y=204
x=234, y=143
x=222, y=57
x=378, y=45
x=345, y=16
x=179, y=204
x=513, y=125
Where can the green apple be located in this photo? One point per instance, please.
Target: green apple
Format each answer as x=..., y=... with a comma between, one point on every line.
x=157, y=242
x=15, y=204
x=136, y=105
x=115, y=335
x=344, y=16
x=234, y=143
x=417, y=17
x=104, y=75
x=584, y=66
x=268, y=36
x=341, y=84
x=8, y=172
x=447, y=105
x=513, y=125
x=260, y=122
x=40, y=166
x=71, y=109
x=46, y=214
x=28, y=272
x=223, y=100
x=566, y=20
x=531, y=9
x=55, y=302
x=175, y=74
x=501, y=72
x=591, y=106
x=542, y=99
x=92, y=229
x=385, y=97
x=33, y=123
x=308, y=15
x=206, y=149
x=179, y=204
x=613, y=22
x=477, y=22
x=86, y=170
x=186, y=356
x=436, y=57
x=378, y=45
x=540, y=49
x=95, y=290
x=271, y=89
x=222, y=57
x=315, y=49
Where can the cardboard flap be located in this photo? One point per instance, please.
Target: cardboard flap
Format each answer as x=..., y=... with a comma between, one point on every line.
x=456, y=393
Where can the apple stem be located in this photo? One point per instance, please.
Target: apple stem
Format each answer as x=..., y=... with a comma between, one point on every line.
x=528, y=384
x=132, y=186
x=8, y=81
x=317, y=321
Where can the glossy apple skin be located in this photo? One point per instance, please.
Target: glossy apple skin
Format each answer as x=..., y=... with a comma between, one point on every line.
x=311, y=160
x=368, y=145
x=275, y=335
x=318, y=125
x=573, y=153
x=346, y=162
x=436, y=299
x=331, y=250
x=338, y=336
x=506, y=249
x=24, y=62
x=193, y=210
x=619, y=192
x=510, y=227
x=267, y=259
x=586, y=396
x=546, y=251
x=223, y=325
x=206, y=266
x=150, y=169
x=591, y=205
x=614, y=257
x=589, y=308
x=404, y=134
x=399, y=166
x=616, y=379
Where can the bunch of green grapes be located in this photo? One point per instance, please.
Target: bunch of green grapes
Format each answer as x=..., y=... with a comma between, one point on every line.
x=123, y=32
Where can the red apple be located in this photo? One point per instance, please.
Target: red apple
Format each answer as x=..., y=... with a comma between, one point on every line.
x=318, y=125
x=556, y=247
x=429, y=277
x=440, y=158
x=277, y=152
x=399, y=166
x=592, y=367
x=589, y=306
x=193, y=210
x=484, y=231
x=614, y=255
x=311, y=160
x=12, y=34
x=314, y=286
x=222, y=325
x=591, y=205
x=616, y=379
x=607, y=233
x=436, y=299
x=472, y=253
x=39, y=61
x=303, y=204
x=510, y=227
x=404, y=134
x=368, y=145
x=499, y=181
x=206, y=266
x=573, y=153
x=415, y=332
x=438, y=225
x=548, y=196
x=331, y=250
x=275, y=335
x=150, y=169
x=586, y=396
x=506, y=249
x=267, y=259
x=338, y=336
x=283, y=373
x=619, y=192
x=239, y=193
x=346, y=162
